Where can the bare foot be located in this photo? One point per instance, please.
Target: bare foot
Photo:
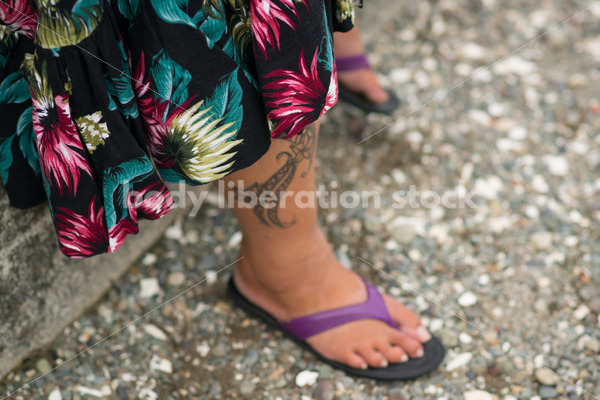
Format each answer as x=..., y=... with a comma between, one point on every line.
x=362, y=80
x=316, y=282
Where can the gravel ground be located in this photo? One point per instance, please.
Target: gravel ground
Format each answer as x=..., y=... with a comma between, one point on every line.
x=509, y=286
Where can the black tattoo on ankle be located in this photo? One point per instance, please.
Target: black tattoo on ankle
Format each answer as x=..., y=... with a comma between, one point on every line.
x=302, y=147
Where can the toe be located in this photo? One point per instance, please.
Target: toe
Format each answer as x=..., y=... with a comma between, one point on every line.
x=354, y=360
x=409, y=344
x=374, y=358
x=394, y=354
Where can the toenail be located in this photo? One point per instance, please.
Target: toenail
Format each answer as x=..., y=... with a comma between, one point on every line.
x=404, y=358
x=383, y=364
x=419, y=353
x=364, y=366
x=423, y=334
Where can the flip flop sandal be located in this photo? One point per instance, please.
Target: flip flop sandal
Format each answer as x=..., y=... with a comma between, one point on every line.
x=299, y=329
x=352, y=63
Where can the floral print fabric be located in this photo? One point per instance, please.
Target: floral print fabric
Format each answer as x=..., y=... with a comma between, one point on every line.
x=101, y=102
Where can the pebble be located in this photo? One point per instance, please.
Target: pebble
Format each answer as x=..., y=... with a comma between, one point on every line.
x=479, y=395
x=55, y=395
x=581, y=312
x=557, y=165
x=155, y=332
x=547, y=392
x=587, y=342
x=396, y=394
x=325, y=390
x=403, y=233
x=149, y=287
x=541, y=240
x=149, y=259
x=546, y=377
x=465, y=338
x=176, y=279
x=161, y=364
x=458, y=361
x=43, y=366
x=235, y=239
x=306, y=378
x=467, y=299
x=247, y=387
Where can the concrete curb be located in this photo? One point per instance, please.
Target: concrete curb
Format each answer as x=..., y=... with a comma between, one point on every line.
x=41, y=290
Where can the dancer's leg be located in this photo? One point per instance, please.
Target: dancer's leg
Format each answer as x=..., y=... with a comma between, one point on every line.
x=289, y=269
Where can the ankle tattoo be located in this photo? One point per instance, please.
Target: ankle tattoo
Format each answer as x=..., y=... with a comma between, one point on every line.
x=302, y=147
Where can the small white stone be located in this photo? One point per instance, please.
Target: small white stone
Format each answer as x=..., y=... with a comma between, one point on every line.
x=89, y=391
x=479, y=395
x=581, y=312
x=149, y=259
x=517, y=133
x=161, y=364
x=155, y=332
x=539, y=184
x=176, y=279
x=496, y=109
x=484, y=279
x=465, y=338
x=480, y=117
x=467, y=299
x=430, y=389
x=472, y=51
x=210, y=276
x=489, y=186
x=544, y=281
x=557, y=165
x=306, y=377
x=235, y=239
x=532, y=212
x=55, y=395
x=399, y=176
x=541, y=240
x=458, y=361
x=415, y=255
x=149, y=287
x=546, y=377
x=174, y=232
x=400, y=75
x=514, y=65
x=203, y=349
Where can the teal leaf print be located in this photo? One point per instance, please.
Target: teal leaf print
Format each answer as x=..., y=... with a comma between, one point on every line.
x=226, y=101
x=326, y=53
x=118, y=180
x=214, y=29
x=171, y=11
x=129, y=8
x=121, y=89
x=171, y=79
x=14, y=89
x=6, y=158
x=27, y=141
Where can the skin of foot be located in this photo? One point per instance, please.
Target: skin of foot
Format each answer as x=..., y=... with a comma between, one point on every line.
x=288, y=268
x=316, y=282
x=363, y=80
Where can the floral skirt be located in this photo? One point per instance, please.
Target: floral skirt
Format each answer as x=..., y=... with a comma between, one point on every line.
x=101, y=102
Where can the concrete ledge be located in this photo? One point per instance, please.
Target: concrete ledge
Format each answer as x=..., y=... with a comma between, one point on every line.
x=42, y=291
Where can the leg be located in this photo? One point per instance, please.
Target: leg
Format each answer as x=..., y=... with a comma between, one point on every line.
x=290, y=270
x=362, y=80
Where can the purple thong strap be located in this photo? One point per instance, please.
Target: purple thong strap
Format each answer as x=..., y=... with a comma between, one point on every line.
x=373, y=308
x=351, y=63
